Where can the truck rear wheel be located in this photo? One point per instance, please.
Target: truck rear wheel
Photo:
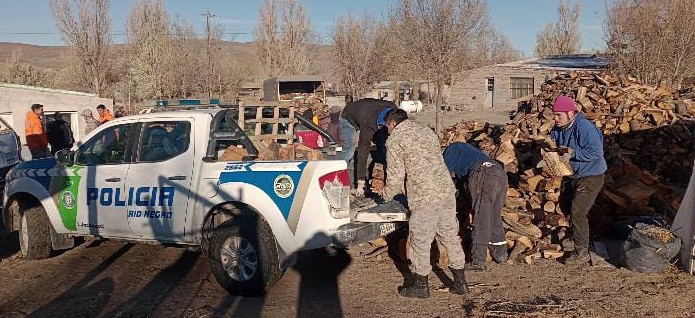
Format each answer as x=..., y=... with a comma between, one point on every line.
x=244, y=256
x=35, y=233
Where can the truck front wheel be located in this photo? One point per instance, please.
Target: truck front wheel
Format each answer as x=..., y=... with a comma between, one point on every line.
x=35, y=233
x=243, y=256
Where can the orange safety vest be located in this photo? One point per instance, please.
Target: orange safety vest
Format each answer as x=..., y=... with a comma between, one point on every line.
x=34, y=132
x=106, y=116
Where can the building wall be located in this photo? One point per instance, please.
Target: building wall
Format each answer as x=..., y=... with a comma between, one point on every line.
x=16, y=100
x=468, y=89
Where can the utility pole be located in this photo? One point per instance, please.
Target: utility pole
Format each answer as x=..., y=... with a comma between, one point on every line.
x=208, y=73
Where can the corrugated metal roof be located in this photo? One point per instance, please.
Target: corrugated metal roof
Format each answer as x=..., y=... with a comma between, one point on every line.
x=562, y=63
x=45, y=89
x=298, y=78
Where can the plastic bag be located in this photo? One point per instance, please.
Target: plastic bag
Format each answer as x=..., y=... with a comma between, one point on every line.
x=649, y=249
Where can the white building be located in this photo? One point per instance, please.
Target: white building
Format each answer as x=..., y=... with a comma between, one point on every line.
x=16, y=100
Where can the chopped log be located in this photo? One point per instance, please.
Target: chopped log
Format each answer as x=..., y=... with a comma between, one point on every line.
x=556, y=220
x=521, y=244
x=614, y=198
x=552, y=254
x=377, y=185
x=557, y=166
x=443, y=260
x=549, y=207
x=533, y=182
x=232, y=153
x=529, y=230
x=513, y=193
x=378, y=171
x=635, y=191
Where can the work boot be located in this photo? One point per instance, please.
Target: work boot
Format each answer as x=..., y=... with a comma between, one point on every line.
x=460, y=286
x=418, y=289
x=499, y=254
x=579, y=256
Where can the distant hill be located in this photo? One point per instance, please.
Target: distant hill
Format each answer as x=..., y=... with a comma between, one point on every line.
x=42, y=56
x=51, y=56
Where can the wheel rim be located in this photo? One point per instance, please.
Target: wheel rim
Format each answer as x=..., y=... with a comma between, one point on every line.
x=239, y=259
x=24, y=236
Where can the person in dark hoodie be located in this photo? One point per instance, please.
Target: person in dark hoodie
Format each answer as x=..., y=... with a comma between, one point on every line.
x=334, y=124
x=368, y=116
x=574, y=131
x=484, y=181
x=59, y=134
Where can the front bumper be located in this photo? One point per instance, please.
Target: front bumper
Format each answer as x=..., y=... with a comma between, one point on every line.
x=355, y=233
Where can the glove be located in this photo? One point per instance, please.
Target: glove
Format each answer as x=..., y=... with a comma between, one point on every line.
x=360, y=188
x=565, y=153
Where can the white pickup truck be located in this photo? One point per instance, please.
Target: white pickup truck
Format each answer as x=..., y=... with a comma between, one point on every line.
x=155, y=178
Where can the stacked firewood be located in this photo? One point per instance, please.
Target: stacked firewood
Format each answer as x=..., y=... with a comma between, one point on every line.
x=648, y=141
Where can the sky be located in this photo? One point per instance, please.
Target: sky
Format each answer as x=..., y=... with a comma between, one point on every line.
x=31, y=21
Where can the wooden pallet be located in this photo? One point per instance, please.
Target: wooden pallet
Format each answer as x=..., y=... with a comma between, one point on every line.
x=258, y=121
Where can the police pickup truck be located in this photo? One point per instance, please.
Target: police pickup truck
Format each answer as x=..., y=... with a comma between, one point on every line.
x=156, y=178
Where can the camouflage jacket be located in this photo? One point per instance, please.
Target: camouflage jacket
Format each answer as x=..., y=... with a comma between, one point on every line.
x=415, y=166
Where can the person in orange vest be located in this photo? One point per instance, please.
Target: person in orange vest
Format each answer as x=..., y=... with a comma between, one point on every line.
x=104, y=114
x=34, y=132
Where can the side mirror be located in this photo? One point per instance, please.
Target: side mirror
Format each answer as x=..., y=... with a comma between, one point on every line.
x=65, y=157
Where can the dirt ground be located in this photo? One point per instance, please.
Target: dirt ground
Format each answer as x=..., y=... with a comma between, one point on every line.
x=118, y=279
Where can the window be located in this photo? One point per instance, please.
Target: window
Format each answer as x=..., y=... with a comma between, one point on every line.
x=521, y=86
x=164, y=140
x=107, y=147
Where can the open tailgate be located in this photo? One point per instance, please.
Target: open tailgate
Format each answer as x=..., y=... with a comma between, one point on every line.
x=367, y=210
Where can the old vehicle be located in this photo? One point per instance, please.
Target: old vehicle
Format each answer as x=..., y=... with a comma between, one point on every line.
x=156, y=178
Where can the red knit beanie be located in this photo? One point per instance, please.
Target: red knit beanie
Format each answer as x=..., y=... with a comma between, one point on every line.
x=564, y=104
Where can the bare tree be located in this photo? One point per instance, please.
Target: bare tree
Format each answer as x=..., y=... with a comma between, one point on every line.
x=440, y=35
x=359, y=48
x=652, y=40
x=17, y=71
x=183, y=66
x=232, y=73
x=283, y=38
x=85, y=26
x=149, y=44
x=495, y=49
x=562, y=37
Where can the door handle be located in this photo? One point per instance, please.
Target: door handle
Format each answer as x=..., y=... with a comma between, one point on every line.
x=177, y=178
x=113, y=180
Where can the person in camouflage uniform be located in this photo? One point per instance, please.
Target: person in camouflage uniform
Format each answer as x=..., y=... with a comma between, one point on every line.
x=90, y=123
x=415, y=168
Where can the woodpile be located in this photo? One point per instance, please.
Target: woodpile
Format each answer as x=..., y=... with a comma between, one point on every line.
x=649, y=143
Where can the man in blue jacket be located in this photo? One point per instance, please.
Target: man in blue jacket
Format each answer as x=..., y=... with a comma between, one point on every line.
x=484, y=180
x=574, y=131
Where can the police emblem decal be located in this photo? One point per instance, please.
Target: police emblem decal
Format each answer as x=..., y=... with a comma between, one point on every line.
x=68, y=200
x=283, y=186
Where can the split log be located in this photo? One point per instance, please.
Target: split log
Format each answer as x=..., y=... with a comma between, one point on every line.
x=549, y=207
x=552, y=254
x=557, y=166
x=521, y=244
x=529, y=230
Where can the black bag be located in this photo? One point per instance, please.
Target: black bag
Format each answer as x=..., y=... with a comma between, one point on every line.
x=649, y=249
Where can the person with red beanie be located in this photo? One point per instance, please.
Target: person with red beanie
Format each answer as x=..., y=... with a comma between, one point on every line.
x=574, y=131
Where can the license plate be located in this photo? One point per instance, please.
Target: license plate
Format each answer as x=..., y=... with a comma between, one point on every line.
x=387, y=228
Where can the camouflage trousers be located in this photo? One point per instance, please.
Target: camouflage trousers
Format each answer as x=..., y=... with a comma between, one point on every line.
x=425, y=225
